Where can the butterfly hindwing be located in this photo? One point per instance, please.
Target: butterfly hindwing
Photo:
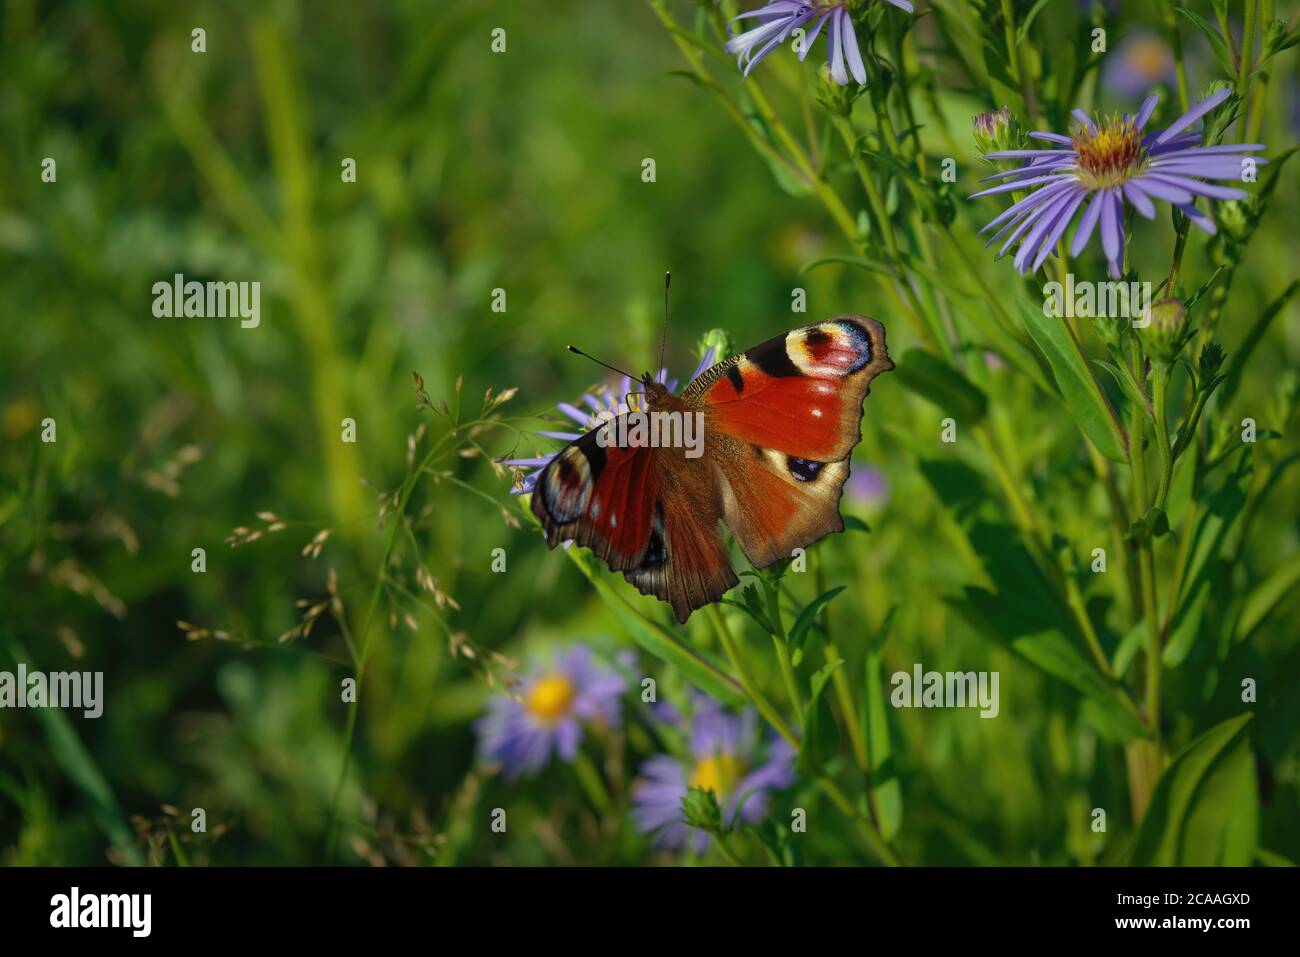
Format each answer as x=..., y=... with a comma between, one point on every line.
x=686, y=564
x=600, y=496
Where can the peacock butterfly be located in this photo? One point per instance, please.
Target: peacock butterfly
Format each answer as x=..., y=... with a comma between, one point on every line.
x=779, y=422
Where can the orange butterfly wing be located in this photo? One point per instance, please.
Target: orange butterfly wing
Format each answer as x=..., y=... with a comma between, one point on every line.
x=780, y=421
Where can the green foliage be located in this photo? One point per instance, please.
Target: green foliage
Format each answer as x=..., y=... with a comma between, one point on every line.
x=1116, y=538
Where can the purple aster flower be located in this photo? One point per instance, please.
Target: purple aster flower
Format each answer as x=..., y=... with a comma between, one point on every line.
x=1107, y=162
x=780, y=18
x=598, y=410
x=867, y=485
x=728, y=758
x=520, y=731
x=1141, y=61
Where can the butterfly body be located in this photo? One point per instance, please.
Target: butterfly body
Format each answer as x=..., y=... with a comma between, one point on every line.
x=779, y=422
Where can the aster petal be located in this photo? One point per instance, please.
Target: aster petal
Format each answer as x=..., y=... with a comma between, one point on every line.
x=1018, y=184
x=1141, y=202
x=901, y=4
x=1191, y=116
x=568, y=733
x=539, y=462
x=1027, y=209
x=1222, y=148
x=1112, y=229
x=810, y=36
x=837, y=48
x=851, y=52
x=743, y=43
x=1182, y=141
x=774, y=9
x=1198, y=217
x=1157, y=186
x=1084, y=120
x=1051, y=137
x=773, y=43
x=1034, y=238
x=710, y=359
x=1026, y=154
x=1202, y=189
x=1053, y=165
x=573, y=412
x=1063, y=219
x=1209, y=167
x=1145, y=110
x=1034, y=217
x=566, y=436
x=1087, y=223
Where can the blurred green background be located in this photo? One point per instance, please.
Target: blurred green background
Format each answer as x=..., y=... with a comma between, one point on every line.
x=477, y=171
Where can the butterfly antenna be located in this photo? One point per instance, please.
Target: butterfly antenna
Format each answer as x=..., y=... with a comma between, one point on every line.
x=577, y=351
x=663, y=340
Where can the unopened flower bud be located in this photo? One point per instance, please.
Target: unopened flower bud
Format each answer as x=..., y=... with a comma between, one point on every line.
x=700, y=808
x=1109, y=329
x=996, y=130
x=719, y=342
x=1167, y=331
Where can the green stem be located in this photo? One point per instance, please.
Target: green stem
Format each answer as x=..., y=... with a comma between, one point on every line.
x=747, y=682
x=849, y=710
x=1017, y=65
x=875, y=841
x=1247, y=56
x=1176, y=42
x=783, y=650
x=873, y=838
x=1147, y=567
x=592, y=783
x=878, y=212
x=1159, y=391
x=720, y=842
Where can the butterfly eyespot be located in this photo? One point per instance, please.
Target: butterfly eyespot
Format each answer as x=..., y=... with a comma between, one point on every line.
x=656, y=553
x=565, y=486
x=804, y=470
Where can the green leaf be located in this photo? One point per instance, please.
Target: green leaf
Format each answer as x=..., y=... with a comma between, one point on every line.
x=1079, y=387
x=1046, y=648
x=68, y=752
x=1179, y=502
x=1267, y=595
x=821, y=736
x=1217, y=43
x=1128, y=387
x=1023, y=30
x=1128, y=648
x=1151, y=525
x=936, y=381
x=1253, y=337
x=659, y=642
x=1221, y=511
x=1272, y=859
x=886, y=789
x=857, y=261
x=854, y=524
x=1205, y=809
x=798, y=633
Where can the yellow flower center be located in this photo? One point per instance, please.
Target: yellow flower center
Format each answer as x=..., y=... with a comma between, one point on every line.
x=1109, y=152
x=549, y=699
x=718, y=773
